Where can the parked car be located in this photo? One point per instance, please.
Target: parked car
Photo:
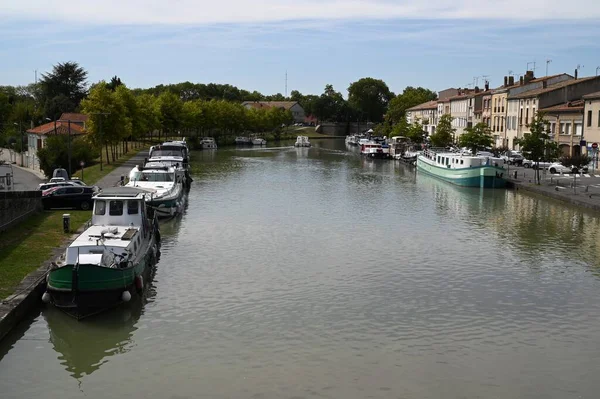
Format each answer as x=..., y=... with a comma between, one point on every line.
x=45, y=186
x=527, y=163
x=557, y=167
x=512, y=158
x=68, y=197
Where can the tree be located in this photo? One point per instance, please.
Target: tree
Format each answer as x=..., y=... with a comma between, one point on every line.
x=55, y=153
x=410, y=97
x=370, y=97
x=538, y=145
x=476, y=137
x=115, y=82
x=578, y=161
x=444, y=132
x=67, y=82
x=415, y=133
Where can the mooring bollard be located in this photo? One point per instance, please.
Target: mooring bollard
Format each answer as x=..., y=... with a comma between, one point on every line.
x=516, y=174
x=66, y=223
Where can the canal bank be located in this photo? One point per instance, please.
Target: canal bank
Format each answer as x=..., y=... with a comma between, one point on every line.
x=28, y=292
x=582, y=190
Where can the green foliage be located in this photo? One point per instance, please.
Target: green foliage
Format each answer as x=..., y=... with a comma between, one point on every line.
x=444, y=132
x=578, y=161
x=476, y=137
x=370, y=97
x=538, y=145
x=55, y=153
x=497, y=151
x=63, y=89
x=415, y=133
x=410, y=97
x=115, y=82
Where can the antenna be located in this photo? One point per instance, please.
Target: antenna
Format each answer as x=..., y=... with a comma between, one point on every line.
x=510, y=73
x=598, y=67
x=35, y=76
x=534, y=68
x=548, y=61
x=286, y=82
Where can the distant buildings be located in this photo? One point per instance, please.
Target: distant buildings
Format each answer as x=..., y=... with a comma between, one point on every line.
x=293, y=106
x=571, y=106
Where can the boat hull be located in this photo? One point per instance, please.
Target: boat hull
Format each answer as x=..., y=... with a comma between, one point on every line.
x=85, y=290
x=481, y=176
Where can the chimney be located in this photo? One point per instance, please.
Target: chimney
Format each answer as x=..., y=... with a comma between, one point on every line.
x=575, y=73
x=487, y=85
x=528, y=76
x=521, y=80
x=476, y=89
x=511, y=80
x=505, y=81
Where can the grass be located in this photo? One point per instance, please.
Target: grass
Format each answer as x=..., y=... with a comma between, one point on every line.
x=26, y=246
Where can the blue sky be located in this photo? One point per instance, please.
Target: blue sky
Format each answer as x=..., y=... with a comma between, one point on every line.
x=250, y=44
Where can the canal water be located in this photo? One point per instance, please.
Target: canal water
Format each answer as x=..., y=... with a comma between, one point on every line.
x=301, y=273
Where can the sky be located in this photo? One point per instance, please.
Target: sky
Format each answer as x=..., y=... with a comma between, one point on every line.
x=253, y=44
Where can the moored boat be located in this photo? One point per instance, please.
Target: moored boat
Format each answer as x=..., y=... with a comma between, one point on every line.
x=208, y=143
x=463, y=170
x=374, y=150
x=302, y=141
x=165, y=184
x=172, y=154
x=108, y=262
x=259, y=141
x=242, y=140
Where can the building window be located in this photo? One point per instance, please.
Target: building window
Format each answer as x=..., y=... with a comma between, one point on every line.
x=567, y=128
x=527, y=116
x=589, y=119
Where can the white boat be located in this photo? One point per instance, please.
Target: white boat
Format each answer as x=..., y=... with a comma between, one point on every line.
x=109, y=261
x=165, y=186
x=302, y=141
x=259, y=141
x=372, y=149
x=171, y=154
x=463, y=170
x=208, y=143
x=241, y=140
x=351, y=140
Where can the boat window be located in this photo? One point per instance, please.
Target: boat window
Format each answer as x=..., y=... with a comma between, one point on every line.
x=462, y=162
x=132, y=208
x=115, y=208
x=99, y=207
x=447, y=161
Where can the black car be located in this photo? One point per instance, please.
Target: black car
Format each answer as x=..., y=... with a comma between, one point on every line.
x=68, y=197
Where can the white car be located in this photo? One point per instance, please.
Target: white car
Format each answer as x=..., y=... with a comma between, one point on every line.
x=527, y=163
x=557, y=167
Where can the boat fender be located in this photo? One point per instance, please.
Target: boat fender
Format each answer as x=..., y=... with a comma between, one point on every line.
x=46, y=297
x=126, y=296
x=139, y=283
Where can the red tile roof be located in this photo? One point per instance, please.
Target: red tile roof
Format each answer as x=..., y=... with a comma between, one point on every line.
x=270, y=104
x=61, y=128
x=571, y=106
x=592, y=95
x=556, y=86
x=427, y=105
x=74, y=117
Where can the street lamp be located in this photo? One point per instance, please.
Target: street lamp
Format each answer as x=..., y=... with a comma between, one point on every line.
x=21, y=146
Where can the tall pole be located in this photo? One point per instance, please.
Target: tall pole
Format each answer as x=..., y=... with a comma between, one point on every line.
x=21, y=131
x=547, y=62
x=100, y=138
x=69, y=127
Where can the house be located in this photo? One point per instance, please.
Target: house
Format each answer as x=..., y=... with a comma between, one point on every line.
x=566, y=125
x=551, y=95
x=506, y=111
x=462, y=110
x=293, y=106
x=426, y=114
x=77, y=119
x=591, y=127
x=36, y=138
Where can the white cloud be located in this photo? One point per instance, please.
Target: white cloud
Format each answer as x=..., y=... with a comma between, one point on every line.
x=118, y=12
